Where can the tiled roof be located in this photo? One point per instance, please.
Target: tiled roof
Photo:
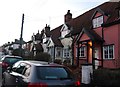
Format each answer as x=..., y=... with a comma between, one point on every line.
x=85, y=20
x=93, y=35
x=38, y=36
x=18, y=42
x=55, y=35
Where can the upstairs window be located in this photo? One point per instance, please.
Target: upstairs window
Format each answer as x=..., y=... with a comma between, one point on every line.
x=65, y=32
x=97, y=22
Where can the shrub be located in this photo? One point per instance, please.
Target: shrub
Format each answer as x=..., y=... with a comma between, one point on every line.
x=43, y=57
x=58, y=61
x=67, y=62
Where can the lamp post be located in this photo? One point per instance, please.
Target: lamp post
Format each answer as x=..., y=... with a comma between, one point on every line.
x=21, y=39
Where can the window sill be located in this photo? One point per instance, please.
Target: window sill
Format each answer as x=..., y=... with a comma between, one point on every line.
x=108, y=59
x=82, y=57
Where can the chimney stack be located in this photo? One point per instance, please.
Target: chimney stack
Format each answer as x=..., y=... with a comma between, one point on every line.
x=67, y=17
x=47, y=28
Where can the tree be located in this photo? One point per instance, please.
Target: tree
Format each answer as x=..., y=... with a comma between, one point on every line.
x=16, y=52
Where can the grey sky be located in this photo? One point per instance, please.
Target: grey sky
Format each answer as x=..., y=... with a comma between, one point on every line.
x=38, y=13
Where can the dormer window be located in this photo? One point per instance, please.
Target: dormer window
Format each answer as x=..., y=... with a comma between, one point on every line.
x=97, y=22
x=64, y=32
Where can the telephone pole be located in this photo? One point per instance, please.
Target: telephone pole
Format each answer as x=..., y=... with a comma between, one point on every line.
x=21, y=38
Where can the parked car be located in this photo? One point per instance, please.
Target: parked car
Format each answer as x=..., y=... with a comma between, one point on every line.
x=38, y=74
x=7, y=61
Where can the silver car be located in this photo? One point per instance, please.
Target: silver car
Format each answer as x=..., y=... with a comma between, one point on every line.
x=38, y=74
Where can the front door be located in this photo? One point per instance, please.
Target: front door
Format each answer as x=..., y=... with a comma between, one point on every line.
x=96, y=55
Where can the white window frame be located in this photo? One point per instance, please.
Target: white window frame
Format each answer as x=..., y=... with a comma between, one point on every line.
x=80, y=51
x=66, y=53
x=97, y=21
x=83, y=48
x=108, y=52
x=58, y=52
x=64, y=32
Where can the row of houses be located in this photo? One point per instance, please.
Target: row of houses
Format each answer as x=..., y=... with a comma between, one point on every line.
x=93, y=37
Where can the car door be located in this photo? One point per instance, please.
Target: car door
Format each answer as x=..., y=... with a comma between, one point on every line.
x=12, y=77
x=24, y=78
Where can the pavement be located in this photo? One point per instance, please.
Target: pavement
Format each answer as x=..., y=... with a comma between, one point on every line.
x=0, y=80
x=0, y=77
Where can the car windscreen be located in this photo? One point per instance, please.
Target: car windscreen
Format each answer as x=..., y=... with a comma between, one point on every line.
x=11, y=60
x=48, y=73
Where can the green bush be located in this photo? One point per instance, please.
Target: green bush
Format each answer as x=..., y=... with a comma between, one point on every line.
x=43, y=57
x=58, y=61
x=67, y=62
x=106, y=77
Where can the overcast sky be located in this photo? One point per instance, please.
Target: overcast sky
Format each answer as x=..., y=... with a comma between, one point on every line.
x=38, y=13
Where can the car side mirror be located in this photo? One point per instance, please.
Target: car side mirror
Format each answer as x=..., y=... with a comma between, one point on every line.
x=14, y=69
x=9, y=69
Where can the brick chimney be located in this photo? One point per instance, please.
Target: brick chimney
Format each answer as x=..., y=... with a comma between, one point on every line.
x=67, y=17
x=47, y=30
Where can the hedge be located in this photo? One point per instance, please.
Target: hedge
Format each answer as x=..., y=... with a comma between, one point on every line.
x=106, y=77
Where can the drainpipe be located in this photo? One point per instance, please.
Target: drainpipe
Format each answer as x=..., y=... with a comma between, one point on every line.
x=93, y=57
x=87, y=52
x=101, y=54
x=72, y=52
x=78, y=54
x=102, y=48
x=54, y=53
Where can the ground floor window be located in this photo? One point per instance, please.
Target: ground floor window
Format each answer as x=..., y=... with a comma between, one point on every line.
x=58, y=52
x=66, y=53
x=81, y=51
x=108, y=52
x=51, y=51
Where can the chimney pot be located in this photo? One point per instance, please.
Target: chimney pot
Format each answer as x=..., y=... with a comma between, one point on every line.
x=67, y=17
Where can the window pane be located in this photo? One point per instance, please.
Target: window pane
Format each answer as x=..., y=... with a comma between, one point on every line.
x=111, y=51
x=66, y=53
x=97, y=22
x=106, y=52
x=82, y=52
x=94, y=23
x=76, y=51
x=48, y=73
x=100, y=21
x=26, y=71
x=20, y=68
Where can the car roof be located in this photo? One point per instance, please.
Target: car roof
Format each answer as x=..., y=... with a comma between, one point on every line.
x=40, y=63
x=12, y=56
